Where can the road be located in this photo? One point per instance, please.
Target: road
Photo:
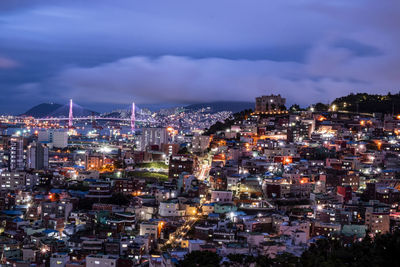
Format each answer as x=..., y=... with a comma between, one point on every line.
x=176, y=237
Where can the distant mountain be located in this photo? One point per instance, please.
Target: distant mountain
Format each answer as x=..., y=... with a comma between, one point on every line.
x=117, y=114
x=42, y=110
x=234, y=106
x=76, y=110
x=57, y=110
x=157, y=107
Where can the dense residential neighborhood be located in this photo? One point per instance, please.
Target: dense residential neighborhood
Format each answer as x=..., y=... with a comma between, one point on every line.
x=257, y=187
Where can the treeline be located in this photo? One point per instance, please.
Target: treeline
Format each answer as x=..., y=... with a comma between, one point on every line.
x=380, y=251
x=368, y=103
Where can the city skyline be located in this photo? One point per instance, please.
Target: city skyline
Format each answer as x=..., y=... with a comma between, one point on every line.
x=181, y=53
x=199, y=133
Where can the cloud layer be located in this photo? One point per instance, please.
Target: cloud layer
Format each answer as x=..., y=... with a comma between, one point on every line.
x=6, y=63
x=184, y=52
x=327, y=72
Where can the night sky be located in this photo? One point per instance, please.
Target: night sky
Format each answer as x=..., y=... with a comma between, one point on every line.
x=105, y=53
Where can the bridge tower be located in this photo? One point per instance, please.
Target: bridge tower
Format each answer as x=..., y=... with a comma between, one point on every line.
x=133, y=118
x=94, y=124
x=70, y=116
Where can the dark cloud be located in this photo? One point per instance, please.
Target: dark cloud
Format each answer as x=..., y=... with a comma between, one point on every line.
x=185, y=51
x=328, y=72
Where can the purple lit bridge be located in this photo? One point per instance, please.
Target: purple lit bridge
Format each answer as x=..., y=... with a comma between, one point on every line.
x=132, y=120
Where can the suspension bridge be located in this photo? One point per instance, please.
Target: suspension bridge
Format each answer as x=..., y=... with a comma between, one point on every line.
x=132, y=120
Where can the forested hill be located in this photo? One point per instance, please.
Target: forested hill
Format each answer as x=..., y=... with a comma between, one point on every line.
x=369, y=103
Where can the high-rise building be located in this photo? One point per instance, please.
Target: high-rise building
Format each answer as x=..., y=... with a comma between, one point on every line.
x=16, y=159
x=17, y=180
x=151, y=137
x=38, y=156
x=269, y=103
x=54, y=138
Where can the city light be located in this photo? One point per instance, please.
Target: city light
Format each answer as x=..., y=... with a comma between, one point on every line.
x=248, y=134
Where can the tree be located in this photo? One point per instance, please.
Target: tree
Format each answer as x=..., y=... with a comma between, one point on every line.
x=264, y=261
x=382, y=251
x=200, y=259
x=320, y=107
x=119, y=199
x=369, y=103
x=85, y=204
x=285, y=259
x=295, y=107
x=79, y=187
x=183, y=151
x=240, y=260
x=119, y=164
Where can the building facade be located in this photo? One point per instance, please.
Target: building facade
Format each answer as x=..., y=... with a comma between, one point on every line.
x=269, y=103
x=38, y=156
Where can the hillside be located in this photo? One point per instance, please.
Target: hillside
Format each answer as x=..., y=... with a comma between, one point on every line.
x=369, y=103
x=222, y=106
x=42, y=110
x=57, y=110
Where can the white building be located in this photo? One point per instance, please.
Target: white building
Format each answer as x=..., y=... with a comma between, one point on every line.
x=234, y=248
x=152, y=136
x=165, y=194
x=299, y=231
x=150, y=228
x=101, y=261
x=145, y=212
x=194, y=245
x=91, y=174
x=17, y=160
x=232, y=181
x=170, y=208
x=59, y=209
x=59, y=259
x=54, y=138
